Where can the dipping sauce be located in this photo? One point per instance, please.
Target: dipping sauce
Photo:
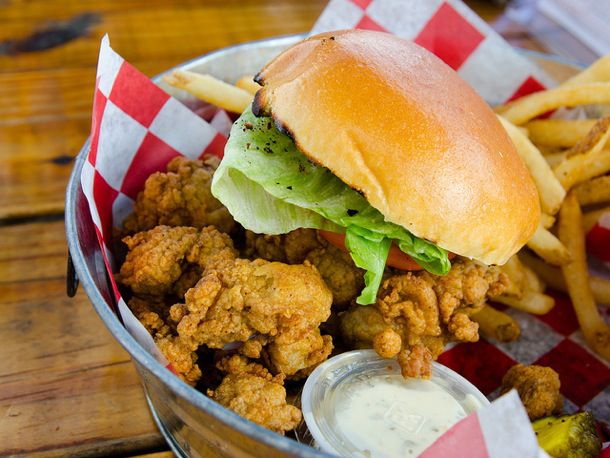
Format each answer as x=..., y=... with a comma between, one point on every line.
x=388, y=416
x=357, y=404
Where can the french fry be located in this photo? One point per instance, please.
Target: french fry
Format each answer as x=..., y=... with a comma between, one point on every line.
x=594, y=191
x=555, y=159
x=600, y=287
x=211, y=90
x=526, y=108
x=247, y=83
x=553, y=277
x=586, y=159
x=516, y=277
x=546, y=221
x=548, y=247
x=558, y=132
x=592, y=325
x=546, y=150
x=530, y=301
x=533, y=281
x=496, y=324
x=589, y=219
x=583, y=167
x=594, y=141
x=598, y=71
x=550, y=190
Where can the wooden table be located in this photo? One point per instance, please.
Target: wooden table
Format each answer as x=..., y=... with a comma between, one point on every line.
x=66, y=387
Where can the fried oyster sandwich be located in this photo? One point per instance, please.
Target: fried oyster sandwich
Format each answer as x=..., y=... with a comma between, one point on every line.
x=375, y=190
x=360, y=143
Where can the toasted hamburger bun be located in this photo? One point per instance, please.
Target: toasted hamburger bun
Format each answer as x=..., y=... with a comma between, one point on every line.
x=397, y=124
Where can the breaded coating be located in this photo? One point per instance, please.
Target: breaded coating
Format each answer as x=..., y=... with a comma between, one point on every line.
x=209, y=319
x=252, y=392
x=183, y=359
x=344, y=279
x=263, y=246
x=361, y=324
x=189, y=278
x=168, y=260
x=298, y=358
x=300, y=242
x=254, y=346
x=538, y=388
x=387, y=343
x=180, y=197
x=239, y=299
x=210, y=248
x=156, y=259
x=425, y=311
x=151, y=313
x=257, y=302
x=415, y=361
x=155, y=317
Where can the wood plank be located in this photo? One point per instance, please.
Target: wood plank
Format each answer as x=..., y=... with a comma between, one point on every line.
x=43, y=96
x=35, y=163
x=27, y=241
x=167, y=31
x=107, y=448
x=55, y=95
x=156, y=455
x=66, y=386
x=30, y=252
x=42, y=12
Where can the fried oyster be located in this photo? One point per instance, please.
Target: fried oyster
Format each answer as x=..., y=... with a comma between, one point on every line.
x=417, y=313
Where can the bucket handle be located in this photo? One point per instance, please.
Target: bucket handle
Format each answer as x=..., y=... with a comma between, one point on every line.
x=71, y=278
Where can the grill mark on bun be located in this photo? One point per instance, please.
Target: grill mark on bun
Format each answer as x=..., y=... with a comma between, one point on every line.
x=258, y=78
x=258, y=104
x=283, y=128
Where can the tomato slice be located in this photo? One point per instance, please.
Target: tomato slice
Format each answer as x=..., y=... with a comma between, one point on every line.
x=396, y=257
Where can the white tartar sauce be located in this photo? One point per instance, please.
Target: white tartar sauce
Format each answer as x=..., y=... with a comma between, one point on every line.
x=388, y=416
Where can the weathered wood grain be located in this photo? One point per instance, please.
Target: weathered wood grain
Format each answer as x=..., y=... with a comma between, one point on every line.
x=35, y=163
x=66, y=387
x=156, y=455
x=150, y=31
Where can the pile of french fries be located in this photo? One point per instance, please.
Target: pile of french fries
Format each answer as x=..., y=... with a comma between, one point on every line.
x=569, y=161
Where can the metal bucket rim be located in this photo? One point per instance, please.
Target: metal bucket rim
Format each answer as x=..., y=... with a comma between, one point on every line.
x=120, y=333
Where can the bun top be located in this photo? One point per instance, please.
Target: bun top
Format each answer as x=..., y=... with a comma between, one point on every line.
x=394, y=122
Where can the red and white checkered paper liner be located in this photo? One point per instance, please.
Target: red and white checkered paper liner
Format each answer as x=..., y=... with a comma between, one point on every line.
x=137, y=128
x=598, y=239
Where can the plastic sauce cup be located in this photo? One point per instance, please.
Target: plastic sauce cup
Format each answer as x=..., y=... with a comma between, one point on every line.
x=357, y=404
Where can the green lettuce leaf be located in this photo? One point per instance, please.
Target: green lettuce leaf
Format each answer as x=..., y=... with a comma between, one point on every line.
x=370, y=256
x=270, y=187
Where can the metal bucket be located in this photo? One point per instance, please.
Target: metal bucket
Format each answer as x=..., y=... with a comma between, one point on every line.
x=192, y=424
